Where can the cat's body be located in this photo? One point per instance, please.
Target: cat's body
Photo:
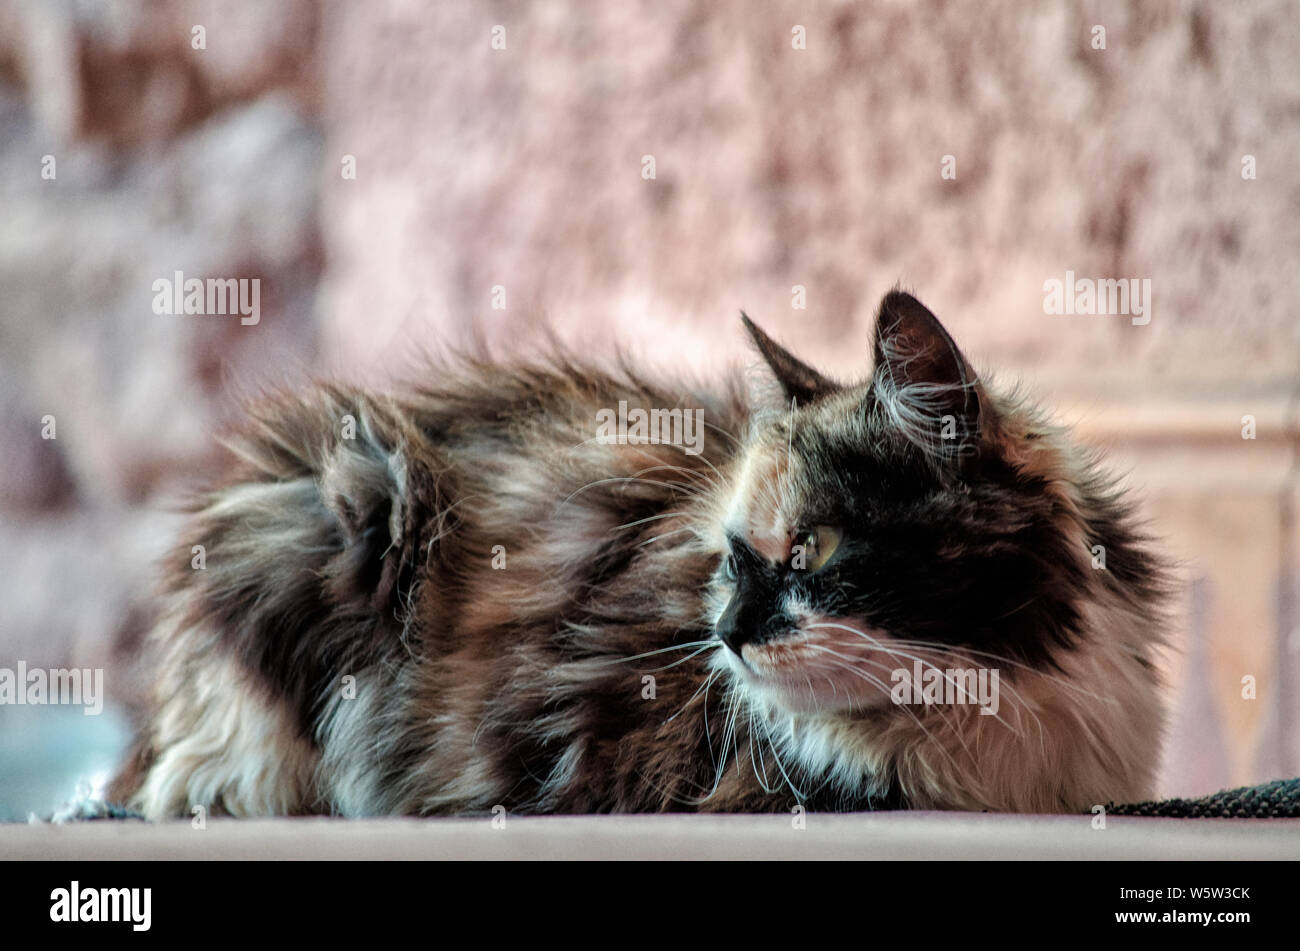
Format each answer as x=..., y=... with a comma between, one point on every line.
x=475, y=602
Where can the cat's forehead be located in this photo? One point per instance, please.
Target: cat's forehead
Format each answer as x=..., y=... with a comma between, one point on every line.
x=768, y=501
x=800, y=464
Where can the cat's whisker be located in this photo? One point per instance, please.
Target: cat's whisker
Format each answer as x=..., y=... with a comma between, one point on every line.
x=1012, y=662
x=707, y=642
x=754, y=721
x=881, y=664
x=675, y=531
x=892, y=647
x=714, y=469
x=708, y=738
x=692, y=489
x=946, y=676
x=703, y=688
x=708, y=645
x=762, y=780
x=691, y=802
x=1020, y=702
x=856, y=670
x=693, y=472
x=734, y=441
x=915, y=719
x=771, y=743
x=720, y=761
x=789, y=443
x=883, y=647
x=729, y=740
x=648, y=518
x=671, y=486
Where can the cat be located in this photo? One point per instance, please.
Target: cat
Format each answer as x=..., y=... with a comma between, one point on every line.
x=463, y=598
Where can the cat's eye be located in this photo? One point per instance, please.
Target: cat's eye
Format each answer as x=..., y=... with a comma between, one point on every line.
x=729, y=567
x=814, y=547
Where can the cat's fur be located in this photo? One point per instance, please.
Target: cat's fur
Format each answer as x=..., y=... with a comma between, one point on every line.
x=355, y=643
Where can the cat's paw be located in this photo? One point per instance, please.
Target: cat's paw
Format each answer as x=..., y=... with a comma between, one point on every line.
x=87, y=809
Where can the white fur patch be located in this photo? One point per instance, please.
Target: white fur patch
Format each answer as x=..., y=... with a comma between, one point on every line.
x=218, y=744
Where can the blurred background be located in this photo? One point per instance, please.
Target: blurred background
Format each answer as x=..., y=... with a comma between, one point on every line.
x=390, y=170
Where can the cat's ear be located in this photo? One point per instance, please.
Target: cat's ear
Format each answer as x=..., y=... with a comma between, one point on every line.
x=921, y=379
x=799, y=381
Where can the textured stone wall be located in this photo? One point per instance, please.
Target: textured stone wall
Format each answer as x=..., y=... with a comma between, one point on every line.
x=821, y=167
x=165, y=158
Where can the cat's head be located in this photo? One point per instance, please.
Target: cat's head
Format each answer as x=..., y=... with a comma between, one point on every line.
x=913, y=515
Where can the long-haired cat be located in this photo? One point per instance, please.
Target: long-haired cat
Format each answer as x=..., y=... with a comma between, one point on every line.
x=907, y=592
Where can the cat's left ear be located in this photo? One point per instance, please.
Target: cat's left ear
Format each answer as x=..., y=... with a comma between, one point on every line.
x=922, y=379
x=799, y=381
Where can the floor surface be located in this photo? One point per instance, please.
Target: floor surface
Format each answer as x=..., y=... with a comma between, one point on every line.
x=904, y=835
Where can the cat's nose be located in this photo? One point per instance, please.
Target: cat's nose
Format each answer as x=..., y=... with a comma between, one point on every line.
x=735, y=627
x=748, y=617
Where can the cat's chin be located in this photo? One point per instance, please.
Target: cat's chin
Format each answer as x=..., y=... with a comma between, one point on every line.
x=792, y=689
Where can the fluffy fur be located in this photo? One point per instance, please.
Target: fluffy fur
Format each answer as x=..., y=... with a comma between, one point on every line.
x=462, y=605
